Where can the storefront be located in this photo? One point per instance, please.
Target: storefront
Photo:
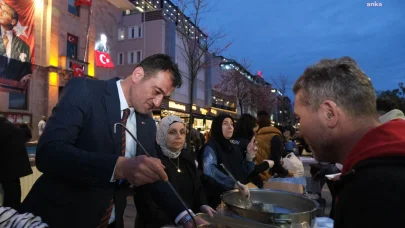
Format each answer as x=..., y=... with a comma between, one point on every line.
x=218, y=111
x=18, y=117
x=201, y=115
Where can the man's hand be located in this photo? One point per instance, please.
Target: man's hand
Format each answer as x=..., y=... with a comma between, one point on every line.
x=208, y=210
x=26, y=78
x=140, y=170
x=198, y=221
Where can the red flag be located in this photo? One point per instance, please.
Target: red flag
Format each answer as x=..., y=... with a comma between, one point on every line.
x=77, y=70
x=259, y=73
x=103, y=59
x=72, y=39
x=83, y=2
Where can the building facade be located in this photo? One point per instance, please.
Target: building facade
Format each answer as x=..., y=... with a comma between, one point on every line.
x=61, y=51
x=231, y=78
x=151, y=28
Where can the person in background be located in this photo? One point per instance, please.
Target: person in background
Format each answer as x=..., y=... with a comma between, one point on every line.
x=219, y=150
x=181, y=171
x=26, y=132
x=336, y=104
x=41, y=125
x=388, y=110
x=289, y=134
x=244, y=132
x=195, y=139
x=202, y=138
x=14, y=162
x=270, y=142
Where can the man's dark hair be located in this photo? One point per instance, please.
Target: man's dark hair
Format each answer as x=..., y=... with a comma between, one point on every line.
x=385, y=105
x=153, y=64
x=291, y=129
x=262, y=113
x=340, y=80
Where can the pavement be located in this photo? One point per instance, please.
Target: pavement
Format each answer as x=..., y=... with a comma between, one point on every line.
x=130, y=211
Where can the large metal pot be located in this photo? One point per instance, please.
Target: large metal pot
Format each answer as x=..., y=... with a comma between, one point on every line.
x=290, y=209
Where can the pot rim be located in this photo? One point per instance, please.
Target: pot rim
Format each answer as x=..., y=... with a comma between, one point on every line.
x=277, y=191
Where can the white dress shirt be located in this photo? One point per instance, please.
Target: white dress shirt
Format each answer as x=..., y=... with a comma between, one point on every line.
x=10, y=39
x=130, y=148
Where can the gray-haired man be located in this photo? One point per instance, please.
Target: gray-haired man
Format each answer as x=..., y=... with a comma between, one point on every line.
x=336, y=104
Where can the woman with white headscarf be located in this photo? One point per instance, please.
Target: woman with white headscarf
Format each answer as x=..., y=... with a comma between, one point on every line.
x=181, y=170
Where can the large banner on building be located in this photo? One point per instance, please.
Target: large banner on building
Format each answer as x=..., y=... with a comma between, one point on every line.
x=16, y=44
x=102, y=53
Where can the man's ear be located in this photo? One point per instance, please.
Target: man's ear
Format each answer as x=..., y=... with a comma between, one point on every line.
x=13, y=22
x=137, y=75
x=329, y=113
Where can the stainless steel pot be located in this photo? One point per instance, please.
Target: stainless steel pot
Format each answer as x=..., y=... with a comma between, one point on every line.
x=289, y=209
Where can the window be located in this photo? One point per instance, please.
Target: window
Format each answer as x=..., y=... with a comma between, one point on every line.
x=72, y=8
x=134, y=57
x=72, y=42
x=134, y=32
x=120, y=58
x=17, y=101
x=121, y=33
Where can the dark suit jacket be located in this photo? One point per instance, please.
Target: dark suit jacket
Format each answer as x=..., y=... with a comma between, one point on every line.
x=150, y=215
x=77, y=154
x=12, y=67
x=14, y=162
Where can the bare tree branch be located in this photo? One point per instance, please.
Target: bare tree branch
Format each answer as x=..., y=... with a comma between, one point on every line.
x=196, y=42
x=281, y=83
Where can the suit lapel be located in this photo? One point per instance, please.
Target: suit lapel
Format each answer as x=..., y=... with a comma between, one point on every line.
x=112, y=104
x=146, y=134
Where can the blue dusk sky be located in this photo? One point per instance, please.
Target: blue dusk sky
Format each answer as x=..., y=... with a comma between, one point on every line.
x=286, y=36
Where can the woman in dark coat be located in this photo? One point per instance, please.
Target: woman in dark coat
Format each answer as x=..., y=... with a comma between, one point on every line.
x=244, y=132
x=182, y=172
x=219, y=150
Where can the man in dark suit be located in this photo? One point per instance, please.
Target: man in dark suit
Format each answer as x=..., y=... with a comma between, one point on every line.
x=14, y=162
x=84, y=163
x=15, y=57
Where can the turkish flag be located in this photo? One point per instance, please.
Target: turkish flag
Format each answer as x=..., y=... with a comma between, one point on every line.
x=72, y=39
x=83, y=2
x=77, y=70
x=103, y=59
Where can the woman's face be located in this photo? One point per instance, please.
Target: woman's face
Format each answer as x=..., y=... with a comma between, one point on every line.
x=176, y=136
x=227, y=128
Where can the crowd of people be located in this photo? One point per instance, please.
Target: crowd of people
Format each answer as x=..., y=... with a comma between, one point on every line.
x=101, y=139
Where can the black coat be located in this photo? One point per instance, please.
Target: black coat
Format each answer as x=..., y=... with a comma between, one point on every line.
x=14, y=162
x=372, y=194
x=77, y=154
x=253, y=177
x=150, y=214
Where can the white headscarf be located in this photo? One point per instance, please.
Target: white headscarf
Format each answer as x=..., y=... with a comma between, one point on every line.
x=161, y=135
